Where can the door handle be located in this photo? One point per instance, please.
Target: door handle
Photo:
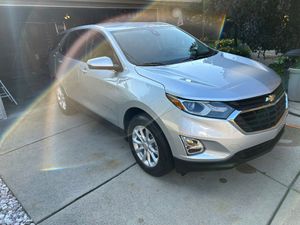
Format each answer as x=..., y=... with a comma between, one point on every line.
x=60, y=61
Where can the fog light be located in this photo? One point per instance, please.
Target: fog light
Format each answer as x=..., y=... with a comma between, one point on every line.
x=192, y=145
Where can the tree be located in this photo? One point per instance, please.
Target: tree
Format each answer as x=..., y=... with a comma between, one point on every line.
x=288, y=33
x=262, y=24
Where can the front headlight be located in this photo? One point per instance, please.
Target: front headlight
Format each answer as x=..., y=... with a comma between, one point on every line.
x=202, y=108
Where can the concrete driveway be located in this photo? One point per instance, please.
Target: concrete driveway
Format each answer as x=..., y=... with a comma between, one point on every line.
x=79, y=170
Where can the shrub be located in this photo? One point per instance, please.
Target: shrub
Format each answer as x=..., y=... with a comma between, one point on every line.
x=282, y=63
x=228, y=45
x=297, y=63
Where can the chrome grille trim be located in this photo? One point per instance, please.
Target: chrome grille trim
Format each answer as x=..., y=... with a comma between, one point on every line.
x=236, y=113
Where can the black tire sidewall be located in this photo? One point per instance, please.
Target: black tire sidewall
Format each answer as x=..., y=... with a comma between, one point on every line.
x=165, y=160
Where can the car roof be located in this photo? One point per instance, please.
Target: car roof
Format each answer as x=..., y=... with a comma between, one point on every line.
x=121, y=26
x=130, y=25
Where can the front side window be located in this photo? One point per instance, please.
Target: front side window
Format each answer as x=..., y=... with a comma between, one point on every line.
x=160, y=46
x=74, y=45
x=83, y=45
x=98, y=46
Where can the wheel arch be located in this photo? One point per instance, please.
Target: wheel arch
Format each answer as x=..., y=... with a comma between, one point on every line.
x=130, y=113
x=134, y=110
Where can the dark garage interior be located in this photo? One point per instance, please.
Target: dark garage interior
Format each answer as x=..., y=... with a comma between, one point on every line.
x=28, y=36
x=29, y=33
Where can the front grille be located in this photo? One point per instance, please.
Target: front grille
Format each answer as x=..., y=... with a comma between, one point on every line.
x=255, y=102
x=263, y=118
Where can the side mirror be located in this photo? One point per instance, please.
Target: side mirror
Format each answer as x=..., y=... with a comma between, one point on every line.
x=102, y=63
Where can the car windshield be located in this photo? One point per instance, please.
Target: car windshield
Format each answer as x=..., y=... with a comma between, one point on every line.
x=162, y=45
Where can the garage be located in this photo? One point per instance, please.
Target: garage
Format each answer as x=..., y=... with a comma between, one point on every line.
x=30, y=31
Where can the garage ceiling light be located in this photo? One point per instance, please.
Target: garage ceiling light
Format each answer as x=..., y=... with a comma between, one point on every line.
x=67, y=16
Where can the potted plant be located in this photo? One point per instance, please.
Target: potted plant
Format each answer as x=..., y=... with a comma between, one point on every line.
x=281, y=66
x=294, y=76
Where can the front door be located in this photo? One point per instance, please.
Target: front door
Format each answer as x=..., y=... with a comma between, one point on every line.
x=101, y=85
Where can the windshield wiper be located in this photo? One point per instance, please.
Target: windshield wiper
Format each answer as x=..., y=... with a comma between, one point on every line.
x=205, y=54
x=199, y=56
x=153, y=64
x=187, y=59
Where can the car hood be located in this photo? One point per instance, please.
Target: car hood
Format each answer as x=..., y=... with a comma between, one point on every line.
x=222, y=77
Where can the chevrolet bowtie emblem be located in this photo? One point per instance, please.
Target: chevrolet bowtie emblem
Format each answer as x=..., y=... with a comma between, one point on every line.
x=270, y=98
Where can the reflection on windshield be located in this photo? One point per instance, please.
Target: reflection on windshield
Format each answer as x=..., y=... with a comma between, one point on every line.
x=162, y=45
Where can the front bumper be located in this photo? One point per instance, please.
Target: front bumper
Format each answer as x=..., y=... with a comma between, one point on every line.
x=243, y=156
x=222, y=138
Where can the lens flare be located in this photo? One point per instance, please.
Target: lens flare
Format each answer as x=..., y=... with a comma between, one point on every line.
x=222, y=24
x=153, y=11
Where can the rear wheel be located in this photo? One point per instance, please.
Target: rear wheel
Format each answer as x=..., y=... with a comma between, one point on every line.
x=149, y=145
x=64, y=103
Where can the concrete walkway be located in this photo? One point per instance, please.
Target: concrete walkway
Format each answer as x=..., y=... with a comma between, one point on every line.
x=79, y=170
x=294, y=108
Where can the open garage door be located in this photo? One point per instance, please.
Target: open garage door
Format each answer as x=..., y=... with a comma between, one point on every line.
x=28, y=34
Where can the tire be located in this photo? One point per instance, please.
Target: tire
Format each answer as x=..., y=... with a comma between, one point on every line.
x=64, y=102
x=154, y=156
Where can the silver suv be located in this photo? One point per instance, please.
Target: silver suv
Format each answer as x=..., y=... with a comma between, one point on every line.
x=180, y=102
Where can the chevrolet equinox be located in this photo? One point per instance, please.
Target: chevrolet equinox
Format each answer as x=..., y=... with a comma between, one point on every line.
x=181, y=103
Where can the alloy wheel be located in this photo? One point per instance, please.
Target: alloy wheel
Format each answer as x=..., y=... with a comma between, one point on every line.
x=145, y=146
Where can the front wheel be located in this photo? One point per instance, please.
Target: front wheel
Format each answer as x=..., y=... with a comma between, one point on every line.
x=149, y=146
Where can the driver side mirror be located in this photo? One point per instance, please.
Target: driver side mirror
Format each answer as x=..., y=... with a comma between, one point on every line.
x=103, y=63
